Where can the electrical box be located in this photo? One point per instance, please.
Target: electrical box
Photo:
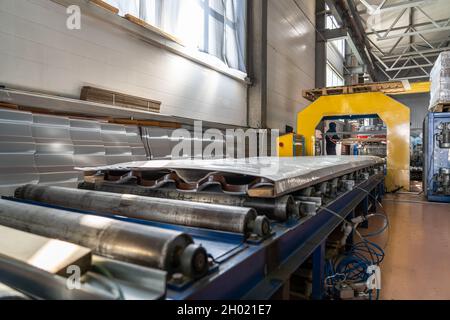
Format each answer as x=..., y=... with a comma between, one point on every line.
x=437, y=157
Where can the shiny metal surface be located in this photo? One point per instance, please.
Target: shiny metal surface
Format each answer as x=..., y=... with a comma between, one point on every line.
x=39, y=284
x=136, y=282
x=193, y=214
x=7, y=293
x=275, y=209
x=284, y=175
x=36, y=148
x=128, y=242
x=51, y=255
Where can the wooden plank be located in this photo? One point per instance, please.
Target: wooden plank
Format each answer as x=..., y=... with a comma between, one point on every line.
x=385, y=87
x=98, y=95
x=146, y=123
x=51, y=255
x=157, y=30
x=441, y=107
x=143, y=123
x=105, y=5
x=266, y=192
x=6, y=105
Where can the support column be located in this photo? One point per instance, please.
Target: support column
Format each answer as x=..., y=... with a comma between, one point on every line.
x=257, y=63
x=321, y=46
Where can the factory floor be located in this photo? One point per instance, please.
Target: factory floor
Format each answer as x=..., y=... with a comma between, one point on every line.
x=417, y=262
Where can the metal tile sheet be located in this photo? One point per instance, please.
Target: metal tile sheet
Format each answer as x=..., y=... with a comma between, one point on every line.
x=44, y=149
x=285, y=174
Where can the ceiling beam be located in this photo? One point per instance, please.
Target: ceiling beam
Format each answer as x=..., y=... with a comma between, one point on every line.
x=414, y=33
x=357, y=40
x=394, y=7
x=414, y=53
x=423, y=24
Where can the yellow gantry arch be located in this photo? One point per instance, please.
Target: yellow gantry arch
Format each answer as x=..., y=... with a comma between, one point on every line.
x=395, y=115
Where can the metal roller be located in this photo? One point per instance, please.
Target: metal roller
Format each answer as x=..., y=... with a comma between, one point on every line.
x=279, y=209
x=193, y=214
x=143, y=245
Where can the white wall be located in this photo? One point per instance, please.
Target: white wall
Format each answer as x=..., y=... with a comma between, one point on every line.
x=291, y=59
x=39, y=53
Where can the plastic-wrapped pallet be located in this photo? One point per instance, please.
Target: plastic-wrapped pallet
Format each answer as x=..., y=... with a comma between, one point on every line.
x=440, y=81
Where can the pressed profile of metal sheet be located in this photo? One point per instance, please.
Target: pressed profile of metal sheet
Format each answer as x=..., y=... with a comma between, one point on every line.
x=285, y=175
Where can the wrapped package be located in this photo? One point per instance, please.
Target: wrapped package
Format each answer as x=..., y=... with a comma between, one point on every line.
x=440, y=81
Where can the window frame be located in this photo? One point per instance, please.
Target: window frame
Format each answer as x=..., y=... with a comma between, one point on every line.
x=155, y=36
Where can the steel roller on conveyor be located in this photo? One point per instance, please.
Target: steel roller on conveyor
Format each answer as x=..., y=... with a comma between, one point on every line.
x=163, y=249
x=279, y=209
x=193, y=214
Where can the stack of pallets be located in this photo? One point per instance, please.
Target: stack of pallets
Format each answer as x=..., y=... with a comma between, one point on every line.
x=385, y=87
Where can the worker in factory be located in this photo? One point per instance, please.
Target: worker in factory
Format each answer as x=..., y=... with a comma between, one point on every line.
x=331, y=140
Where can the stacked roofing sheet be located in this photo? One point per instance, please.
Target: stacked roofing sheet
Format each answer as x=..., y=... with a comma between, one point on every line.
x=44, y=149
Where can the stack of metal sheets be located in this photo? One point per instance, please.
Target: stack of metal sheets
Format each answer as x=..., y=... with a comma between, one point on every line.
x=44, y=149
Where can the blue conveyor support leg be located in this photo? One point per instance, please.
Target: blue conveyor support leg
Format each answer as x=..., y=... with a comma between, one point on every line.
x=318, y=272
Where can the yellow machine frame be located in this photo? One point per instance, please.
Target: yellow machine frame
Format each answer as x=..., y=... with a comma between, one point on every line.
x=395, y=115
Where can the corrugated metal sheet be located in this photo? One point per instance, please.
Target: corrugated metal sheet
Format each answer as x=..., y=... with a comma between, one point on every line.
x=17, y=151
x=45, y=149
x=159, y=143
x=238, y=176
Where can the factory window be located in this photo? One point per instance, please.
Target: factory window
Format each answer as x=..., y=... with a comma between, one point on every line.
x=334, y=79
x=339, y=46
x=331, y=23
x=215, y=27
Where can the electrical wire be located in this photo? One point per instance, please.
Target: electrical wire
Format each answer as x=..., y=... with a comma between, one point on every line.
x=352, y=267
x=384, y=213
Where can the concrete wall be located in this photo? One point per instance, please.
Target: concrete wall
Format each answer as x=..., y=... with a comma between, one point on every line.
x=418, y=103
x=38, y=52
x=291, y=59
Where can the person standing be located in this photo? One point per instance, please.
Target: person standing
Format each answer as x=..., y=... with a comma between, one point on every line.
x=331, y=140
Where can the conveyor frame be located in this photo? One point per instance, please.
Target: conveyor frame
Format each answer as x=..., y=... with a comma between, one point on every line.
x=258, y=270
x=252, y=276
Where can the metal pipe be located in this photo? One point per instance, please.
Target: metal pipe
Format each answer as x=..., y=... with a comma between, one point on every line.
x=143, y=245
x=193, y=214
x=279, y=209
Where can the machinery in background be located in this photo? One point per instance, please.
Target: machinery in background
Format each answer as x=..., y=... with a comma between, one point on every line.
x=362, y=100
x=395, y=115
x=437, y=157
x=416, y=156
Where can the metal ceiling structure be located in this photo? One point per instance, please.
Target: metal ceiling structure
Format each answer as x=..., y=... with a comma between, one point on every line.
x=392, y=39
x=405, y=36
